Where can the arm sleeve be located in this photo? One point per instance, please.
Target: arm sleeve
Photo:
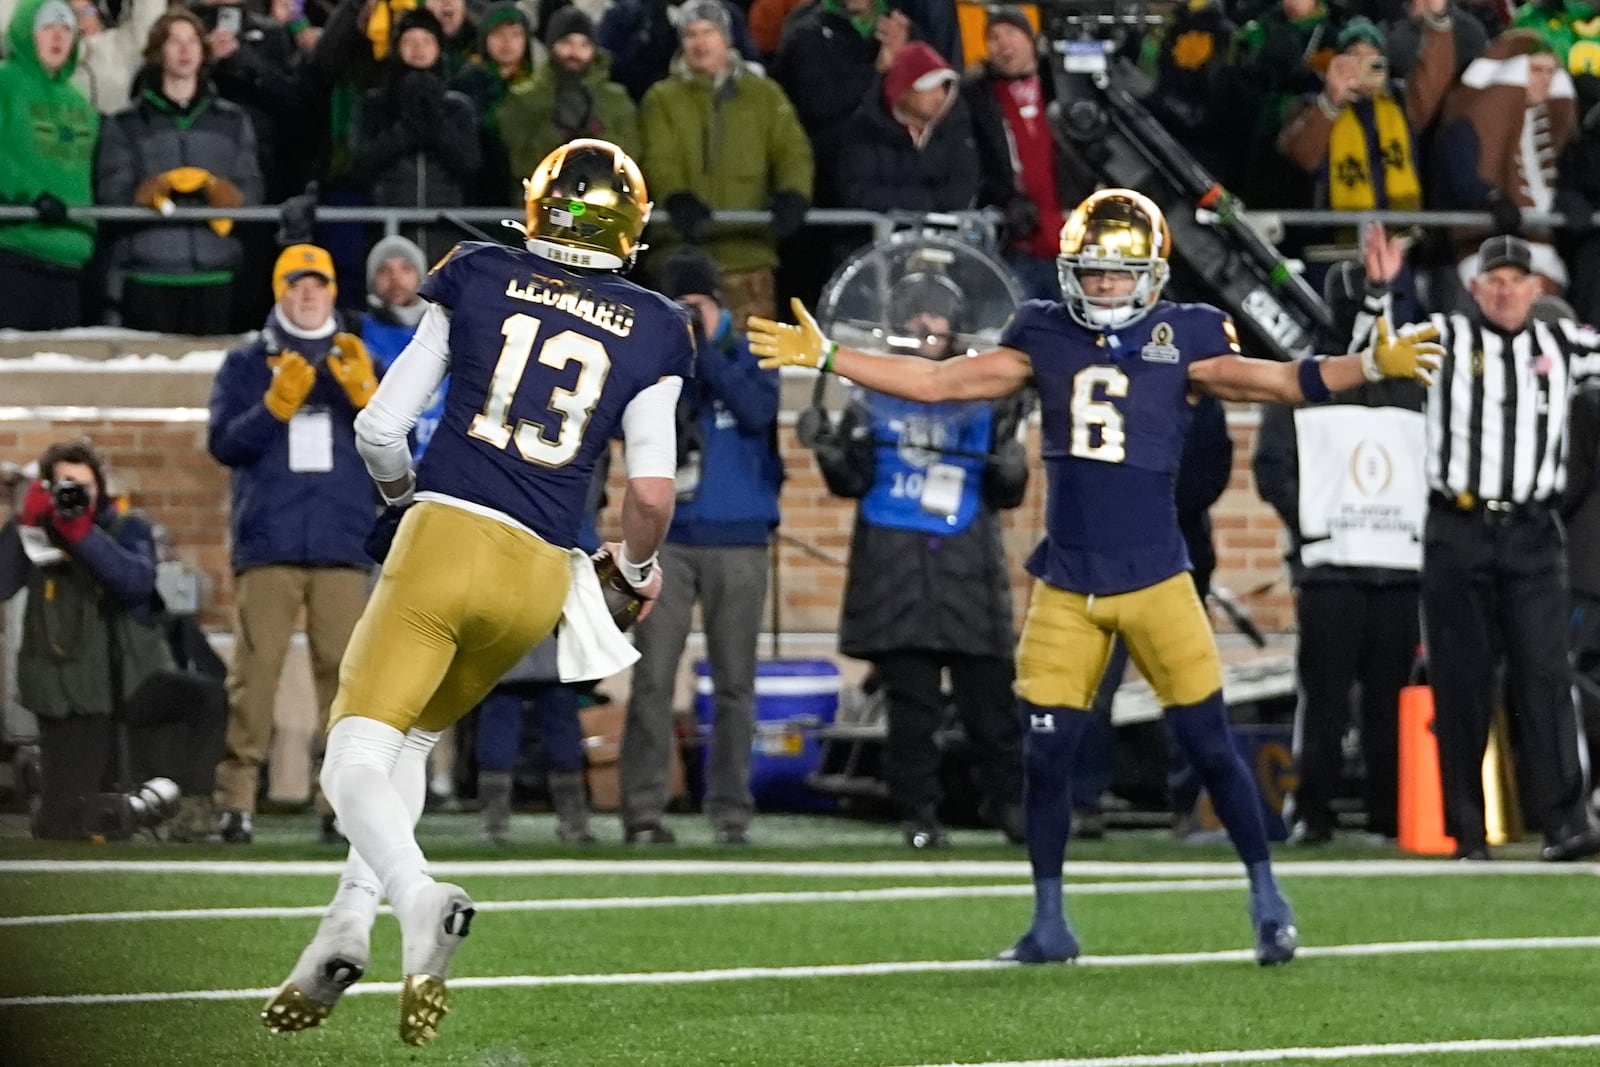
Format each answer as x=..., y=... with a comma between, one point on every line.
x=240, y=427
x=1585, y=342
x=747, y=391
x=125, y=565
x=650, y=432
x=383, y=424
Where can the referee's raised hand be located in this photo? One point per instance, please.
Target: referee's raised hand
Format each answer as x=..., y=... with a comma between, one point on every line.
x=1414, y=352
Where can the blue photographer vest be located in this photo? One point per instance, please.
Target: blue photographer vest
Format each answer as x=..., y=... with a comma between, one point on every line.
x=923, y=451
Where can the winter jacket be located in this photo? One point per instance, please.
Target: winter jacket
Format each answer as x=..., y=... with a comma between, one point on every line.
x=481, y=82
x=733, y=146
x=1307, y=137
x=280, y=516
x=47, y=138
x=64, y=663
x=881, y=169
x=536, y=117
x=154, y=136
x=264, y=77
x=826, y=68
x=1580, y=503
x=416, y=143
x=729, y=420
x=108, y=61
x=641, y=39
x=908, y=591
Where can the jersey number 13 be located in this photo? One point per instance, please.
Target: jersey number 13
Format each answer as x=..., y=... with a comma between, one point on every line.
x=572, y=407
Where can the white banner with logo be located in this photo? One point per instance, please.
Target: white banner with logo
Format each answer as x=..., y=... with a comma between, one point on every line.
x=1363, y=491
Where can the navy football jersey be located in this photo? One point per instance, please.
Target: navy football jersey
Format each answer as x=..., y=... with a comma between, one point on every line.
x=543, y=361
x=1115, y=411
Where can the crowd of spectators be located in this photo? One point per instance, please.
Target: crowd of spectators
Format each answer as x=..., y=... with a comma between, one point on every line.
x=771, y=104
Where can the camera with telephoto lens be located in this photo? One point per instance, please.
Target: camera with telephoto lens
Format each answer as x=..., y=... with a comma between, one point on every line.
x=70, y=498
x=118, y=816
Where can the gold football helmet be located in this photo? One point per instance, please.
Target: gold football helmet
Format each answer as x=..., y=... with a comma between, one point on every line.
x=586, y=206
x=1114, y=230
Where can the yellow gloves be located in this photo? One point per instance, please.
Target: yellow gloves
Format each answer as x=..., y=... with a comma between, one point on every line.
x=1412, y=353
x=292, y=379
x=352, y=368
x=158, y=190
x=782, y=345
x=187, y=179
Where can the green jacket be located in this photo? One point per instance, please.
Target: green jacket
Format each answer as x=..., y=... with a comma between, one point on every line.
x=47, y=137
x=530, y=130
x=64, y=664
x=732, y=145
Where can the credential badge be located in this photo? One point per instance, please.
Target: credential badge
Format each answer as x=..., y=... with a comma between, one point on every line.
x=1160, y=349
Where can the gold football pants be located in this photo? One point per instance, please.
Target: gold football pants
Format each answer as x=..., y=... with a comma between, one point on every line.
x=1066, y=641
x=460, y=599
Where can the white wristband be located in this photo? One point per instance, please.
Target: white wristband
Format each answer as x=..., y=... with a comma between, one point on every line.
x=636, y=574
x=404, y=498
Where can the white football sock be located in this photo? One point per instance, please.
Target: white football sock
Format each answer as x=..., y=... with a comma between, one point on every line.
x=374, y=811
x=359, y=886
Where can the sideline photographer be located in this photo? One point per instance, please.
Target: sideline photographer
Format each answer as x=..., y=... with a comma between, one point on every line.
x=89, y=648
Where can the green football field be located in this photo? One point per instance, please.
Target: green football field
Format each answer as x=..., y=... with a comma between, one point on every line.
x=825, y=945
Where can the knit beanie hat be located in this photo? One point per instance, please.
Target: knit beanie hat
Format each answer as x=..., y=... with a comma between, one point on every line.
x=710, y=11
x=55, y=13
x=1011, y=16
x=567, y=21
x=915, y=66
x=395, y=247
x=690, y=271
x=419, y=19
x=1360, y=29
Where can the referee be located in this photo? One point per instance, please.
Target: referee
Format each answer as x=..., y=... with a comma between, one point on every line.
x=1494, y=580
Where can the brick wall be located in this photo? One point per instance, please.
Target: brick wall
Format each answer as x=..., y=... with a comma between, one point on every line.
x=164, y=468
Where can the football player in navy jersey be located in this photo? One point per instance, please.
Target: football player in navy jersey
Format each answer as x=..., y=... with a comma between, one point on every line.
x=550, y=353
x=1117, y=369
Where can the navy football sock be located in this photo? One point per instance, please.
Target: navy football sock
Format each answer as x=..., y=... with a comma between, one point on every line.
x=1202, y=731
x=1049, y=745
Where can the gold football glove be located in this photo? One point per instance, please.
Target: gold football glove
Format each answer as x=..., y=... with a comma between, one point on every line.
x=292, y=379
x=352, y=369
x=782, y=345
x=1412, y=353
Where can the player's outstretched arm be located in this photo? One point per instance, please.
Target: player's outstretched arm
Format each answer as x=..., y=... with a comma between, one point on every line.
x=1413, y=353
x=988, y=376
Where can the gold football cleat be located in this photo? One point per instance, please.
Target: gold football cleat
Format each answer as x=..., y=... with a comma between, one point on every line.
x=423, y=1006
x=291, y=1011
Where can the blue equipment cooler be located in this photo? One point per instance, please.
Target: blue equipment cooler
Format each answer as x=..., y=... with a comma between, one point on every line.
x=793, y=697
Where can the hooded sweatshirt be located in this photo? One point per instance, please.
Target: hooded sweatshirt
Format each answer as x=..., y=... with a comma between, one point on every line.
x=47, y=138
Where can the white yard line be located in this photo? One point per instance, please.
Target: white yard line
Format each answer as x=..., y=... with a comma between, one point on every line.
x=709, y=900
x=843, y=970
x=1314, y=1053
x=1347, y=868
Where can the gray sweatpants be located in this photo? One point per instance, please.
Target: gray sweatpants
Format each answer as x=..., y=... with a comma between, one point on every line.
x=730, y=583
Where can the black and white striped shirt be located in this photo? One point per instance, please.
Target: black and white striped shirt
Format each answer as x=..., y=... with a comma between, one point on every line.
x=1497, y=410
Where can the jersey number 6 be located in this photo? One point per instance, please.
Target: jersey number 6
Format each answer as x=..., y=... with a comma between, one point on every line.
x=1089, y=412
x=571, y=406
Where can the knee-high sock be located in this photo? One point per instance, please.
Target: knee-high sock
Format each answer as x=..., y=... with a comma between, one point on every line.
x=1050, y=742
x=359, y=886
x=356, y=778
x=1202, y=732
